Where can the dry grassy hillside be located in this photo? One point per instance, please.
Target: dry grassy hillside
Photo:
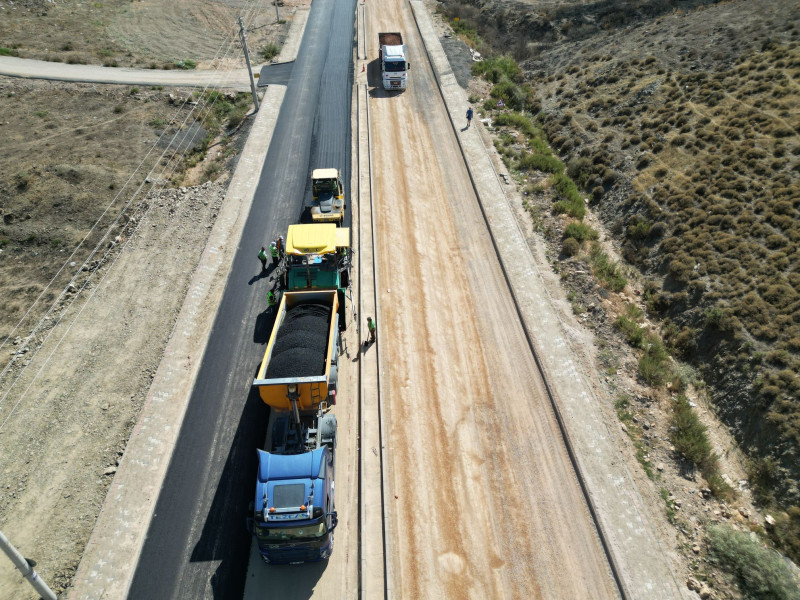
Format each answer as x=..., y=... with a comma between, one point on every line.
x=706, y=148
x=681, y=128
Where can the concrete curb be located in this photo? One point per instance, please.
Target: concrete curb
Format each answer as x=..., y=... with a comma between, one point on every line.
x=109, y=561
x=641, y=567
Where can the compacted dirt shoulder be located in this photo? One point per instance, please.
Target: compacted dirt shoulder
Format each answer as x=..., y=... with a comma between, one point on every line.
x=70, y=411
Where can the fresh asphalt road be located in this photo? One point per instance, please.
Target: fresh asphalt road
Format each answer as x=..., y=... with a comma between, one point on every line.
x=197, y=545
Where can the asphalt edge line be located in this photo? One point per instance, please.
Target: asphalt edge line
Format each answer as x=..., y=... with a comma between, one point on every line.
x=602, y=536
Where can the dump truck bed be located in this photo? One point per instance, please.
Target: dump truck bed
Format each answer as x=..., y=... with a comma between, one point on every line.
x=390, y=38
x=300, y=350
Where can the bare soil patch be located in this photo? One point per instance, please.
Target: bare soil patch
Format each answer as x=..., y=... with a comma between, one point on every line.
x=144, y=34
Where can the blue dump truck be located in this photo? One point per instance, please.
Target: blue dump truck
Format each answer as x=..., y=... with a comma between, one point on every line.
x=293, y=513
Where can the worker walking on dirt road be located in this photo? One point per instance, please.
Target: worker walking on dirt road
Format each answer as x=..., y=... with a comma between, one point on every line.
x=371, y=327
x=262, y=256
x=469, y=117
x=273, y=250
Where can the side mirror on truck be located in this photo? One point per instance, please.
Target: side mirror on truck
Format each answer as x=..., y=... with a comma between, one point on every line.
x=334, y=520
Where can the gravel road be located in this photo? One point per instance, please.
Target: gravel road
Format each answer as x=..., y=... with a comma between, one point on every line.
x=481, y=482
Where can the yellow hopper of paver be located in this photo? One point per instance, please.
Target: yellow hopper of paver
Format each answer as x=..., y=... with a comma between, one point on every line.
x=300, y=366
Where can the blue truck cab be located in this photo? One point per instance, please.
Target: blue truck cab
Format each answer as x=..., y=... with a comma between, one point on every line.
x=294, y=515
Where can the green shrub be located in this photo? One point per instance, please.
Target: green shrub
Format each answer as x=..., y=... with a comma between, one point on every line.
x=569, y=207
x=22, y=179
x=721, y=319
x=580, y=170
x=518, y=121
x=539, y=162
x=688, y=434
x=513, y=96
x=631, y=330
x=571, y=201
x=8, y=52
x=570, y=247
x=759, y=571
x=580, y=231
x=494, y=69
x=638, y=230
x=654, y=362
x=269, y=51
x=786, y=532
x=186, y=64
x=606, y=270
x=463, y=27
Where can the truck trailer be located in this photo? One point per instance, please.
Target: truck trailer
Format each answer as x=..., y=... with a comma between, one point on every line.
x=392, y=56
x=293, y=511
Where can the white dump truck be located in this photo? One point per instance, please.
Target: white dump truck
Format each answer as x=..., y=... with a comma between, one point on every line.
x=392, y=56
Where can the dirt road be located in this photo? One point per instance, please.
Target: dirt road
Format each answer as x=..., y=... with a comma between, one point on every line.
x=40, y=69
x=481, y=482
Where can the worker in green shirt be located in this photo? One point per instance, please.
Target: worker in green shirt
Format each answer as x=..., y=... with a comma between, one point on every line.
x=273, y=250
x=262, y=256
x=371, y=327
x=272, y=299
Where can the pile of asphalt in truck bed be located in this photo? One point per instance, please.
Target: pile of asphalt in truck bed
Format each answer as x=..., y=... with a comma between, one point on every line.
x=302, y=342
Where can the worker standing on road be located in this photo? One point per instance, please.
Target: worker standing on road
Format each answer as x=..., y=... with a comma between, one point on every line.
x=469, y=116
x=273, y=250
x=272, y=299
x=279, y=246
x=262, y=256
x=371, y=327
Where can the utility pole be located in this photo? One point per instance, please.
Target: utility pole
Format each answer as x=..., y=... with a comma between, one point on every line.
x=26, y=568
x=277, y=18
x=247, y=59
